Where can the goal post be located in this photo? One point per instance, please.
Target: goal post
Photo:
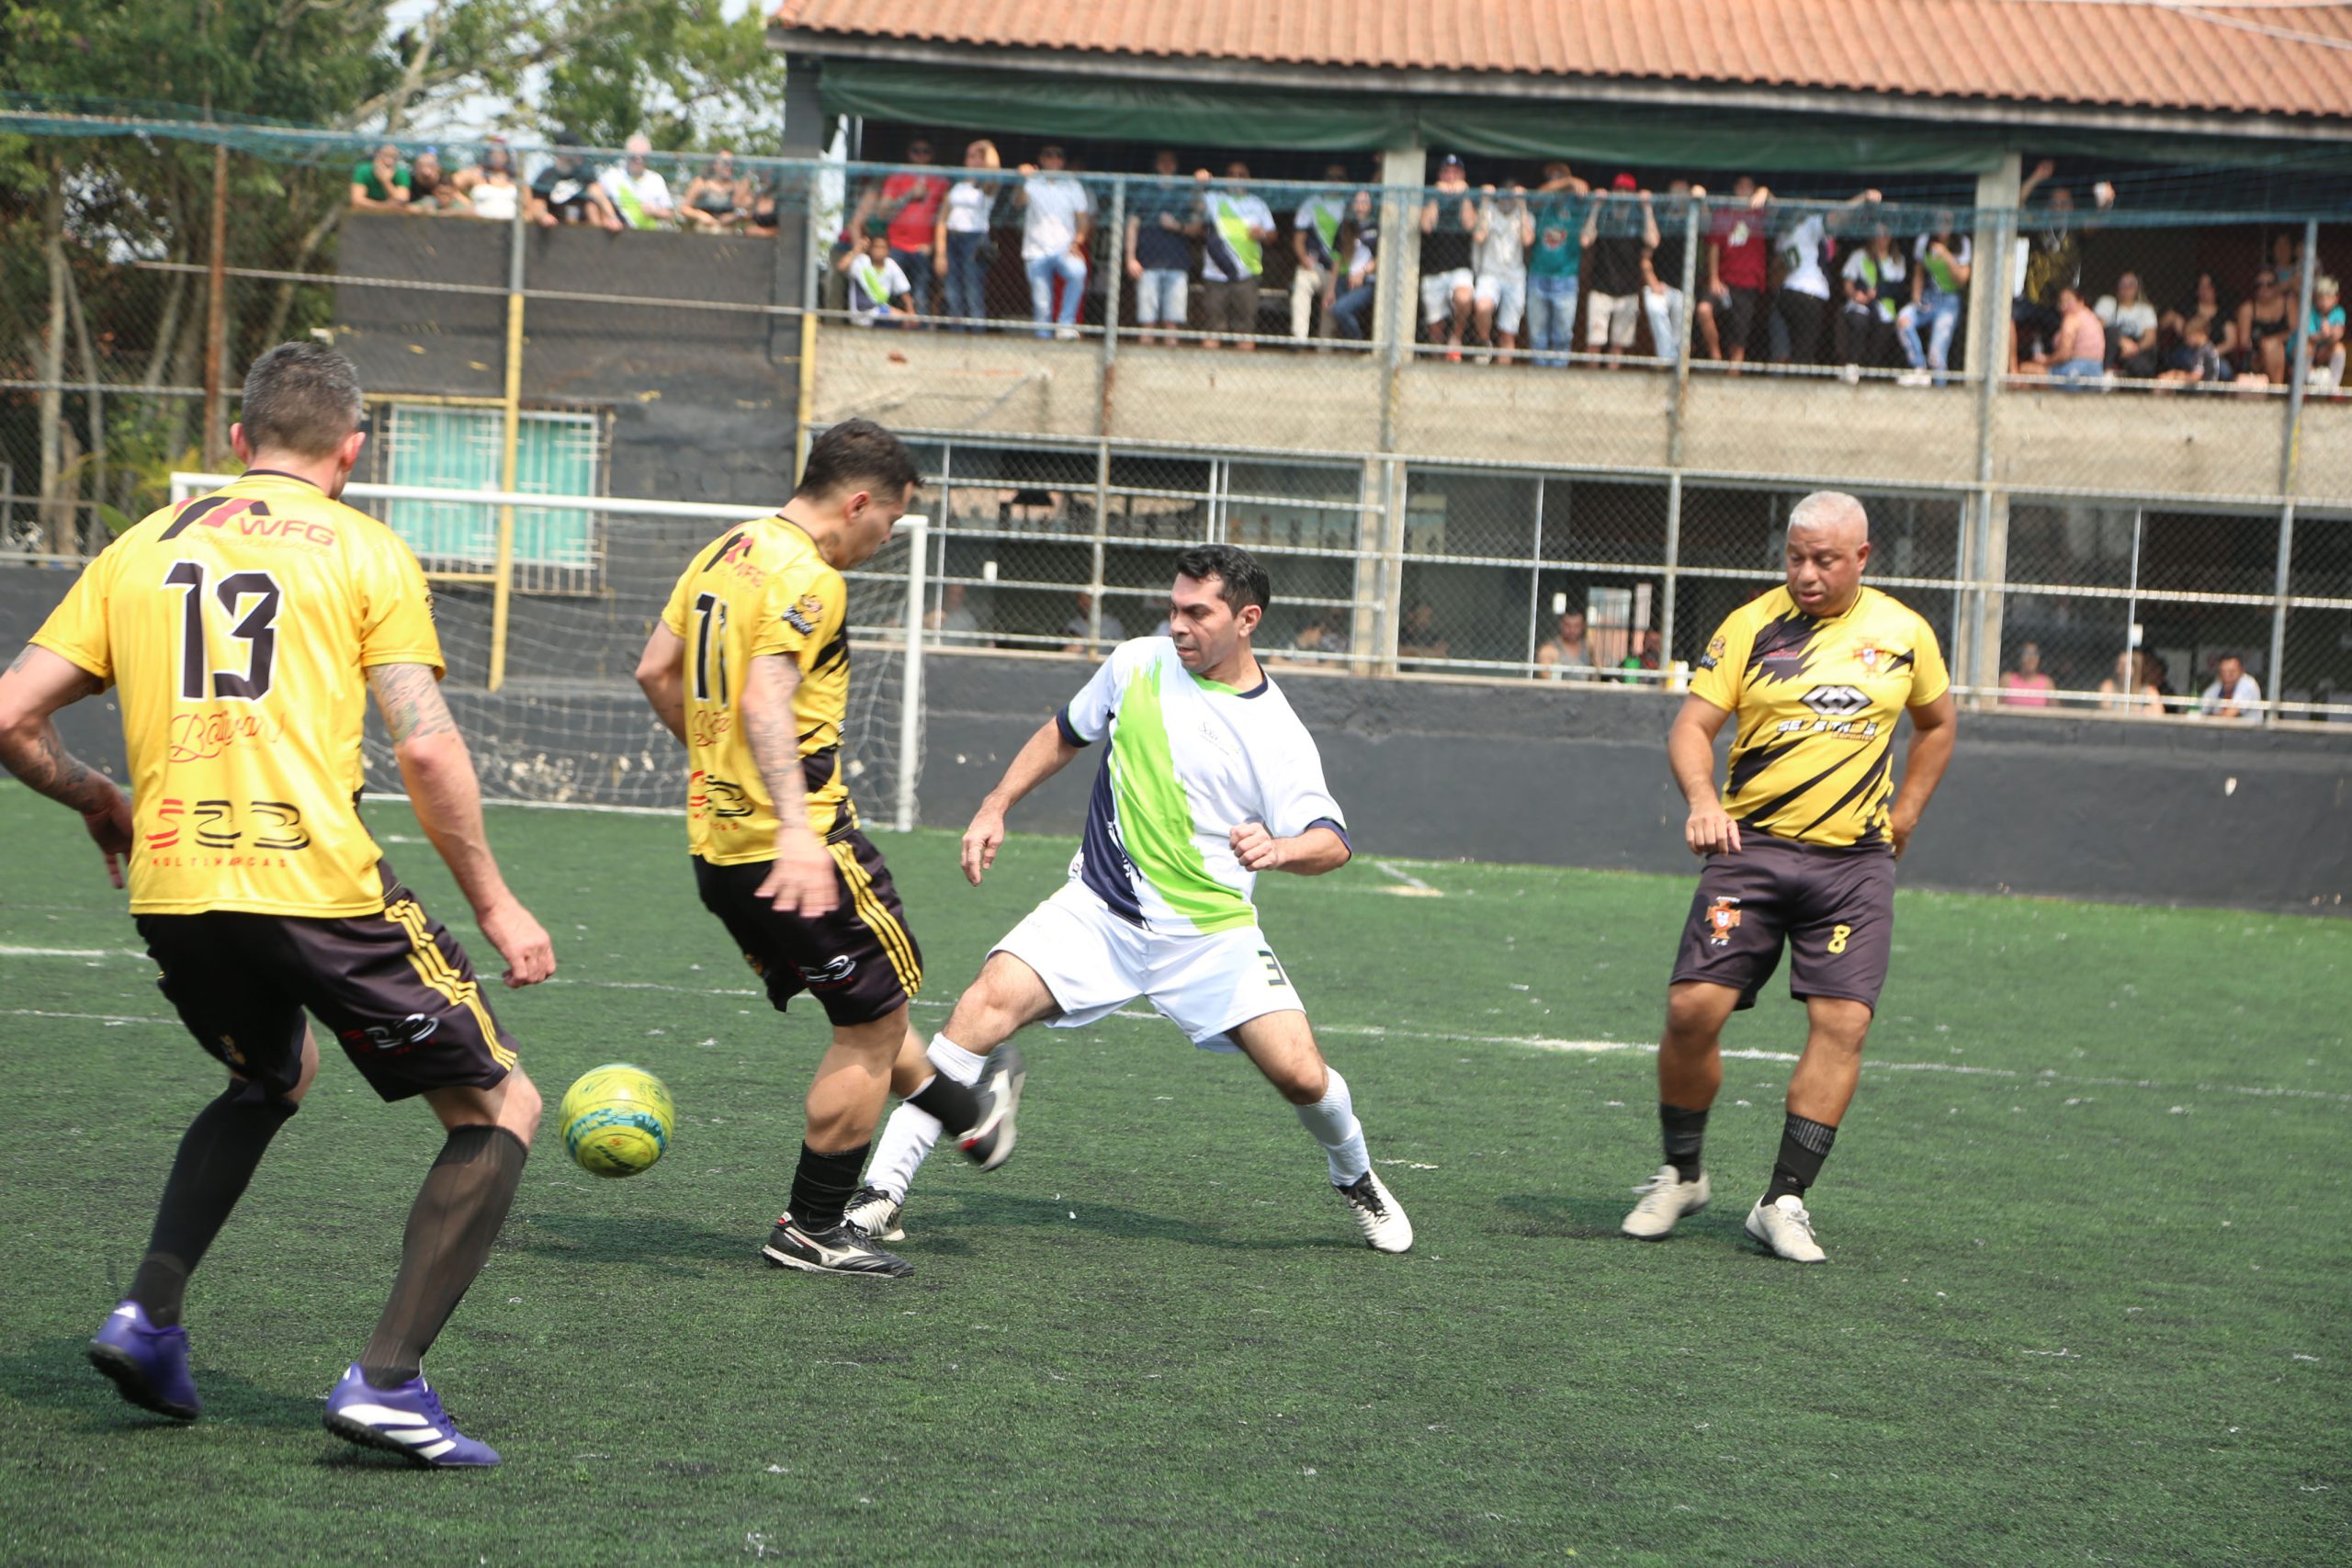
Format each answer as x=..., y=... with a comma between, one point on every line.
x=545, y=692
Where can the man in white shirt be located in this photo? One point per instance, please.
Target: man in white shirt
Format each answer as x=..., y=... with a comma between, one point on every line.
x=1207, y=779
x=1057, y=217
x=639, y=194
x=2234, y=693
x=1233, y=261
x=1802, y=307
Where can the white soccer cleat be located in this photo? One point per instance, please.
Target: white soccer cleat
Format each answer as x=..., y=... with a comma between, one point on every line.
x=1665, y=1197
x=875, y=1212
x=1784, y=1226
x=1384, y=1226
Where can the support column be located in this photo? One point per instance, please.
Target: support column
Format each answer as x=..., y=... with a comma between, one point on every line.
x=1991, y=286
x=799, y=248
x=1404, y=174
x=2289, y=455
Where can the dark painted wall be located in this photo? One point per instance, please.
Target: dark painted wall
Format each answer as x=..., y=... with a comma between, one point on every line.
x=701, y=400
x=2082, y=807
x=2164, y=813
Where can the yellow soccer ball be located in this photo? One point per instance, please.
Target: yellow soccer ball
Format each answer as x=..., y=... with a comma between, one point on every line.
x=615, y=1120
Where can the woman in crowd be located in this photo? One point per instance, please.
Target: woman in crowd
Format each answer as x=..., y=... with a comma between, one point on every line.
x=2204, y=307
x=718, y=198
x=960, y=249
x=2136, y=686
x=488, y=187
x=2265, y=324
x=430, y=190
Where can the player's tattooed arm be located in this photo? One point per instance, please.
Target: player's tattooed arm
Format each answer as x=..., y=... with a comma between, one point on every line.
x=802, y=880
x=37, y=684
x=410, y=699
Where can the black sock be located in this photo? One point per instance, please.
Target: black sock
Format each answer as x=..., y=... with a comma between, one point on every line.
x=1804, y=1146
x=454, y=1219
x=216, y=1160
x=955, y=1104
x=821, y=1188
x=1685, y=1132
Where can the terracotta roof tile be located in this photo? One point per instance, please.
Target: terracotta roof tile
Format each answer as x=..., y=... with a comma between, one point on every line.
x=2287, y=57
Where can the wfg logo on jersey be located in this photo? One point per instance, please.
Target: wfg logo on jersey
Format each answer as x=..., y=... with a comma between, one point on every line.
x=1722, y=918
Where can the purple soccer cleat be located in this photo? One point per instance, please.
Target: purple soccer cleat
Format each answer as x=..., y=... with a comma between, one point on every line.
x=149, y=1365
x=405, y=1420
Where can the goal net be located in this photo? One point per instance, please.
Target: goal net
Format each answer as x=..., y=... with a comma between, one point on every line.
x=590, y=575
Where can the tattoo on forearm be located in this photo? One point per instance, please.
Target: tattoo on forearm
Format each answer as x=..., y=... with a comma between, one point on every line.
x=411, y=702
x=49, y=768
x=769, y=730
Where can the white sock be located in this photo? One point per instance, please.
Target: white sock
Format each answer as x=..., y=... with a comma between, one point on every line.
x=908, y=1135
x=1332, y=1122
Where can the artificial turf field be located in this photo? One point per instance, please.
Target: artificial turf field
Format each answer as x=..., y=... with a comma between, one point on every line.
x=2086, y=1296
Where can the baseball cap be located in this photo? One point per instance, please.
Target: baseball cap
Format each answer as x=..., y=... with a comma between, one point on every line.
x=1624, y=182
x=1451, y=161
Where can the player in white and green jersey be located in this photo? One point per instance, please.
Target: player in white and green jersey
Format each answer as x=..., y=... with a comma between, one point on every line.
x=1207, y=779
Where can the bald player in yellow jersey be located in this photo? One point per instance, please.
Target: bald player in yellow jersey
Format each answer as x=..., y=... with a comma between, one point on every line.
x=243, y=632
x=750, y=669
x=1799, y=848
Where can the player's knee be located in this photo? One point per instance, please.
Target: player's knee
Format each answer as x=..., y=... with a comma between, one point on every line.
x=1693, y=1017
x=518, y=1109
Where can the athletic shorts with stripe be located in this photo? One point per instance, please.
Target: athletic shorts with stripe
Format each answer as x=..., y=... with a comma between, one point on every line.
x=1832, y=904
x=860, y=961
x=395, y=987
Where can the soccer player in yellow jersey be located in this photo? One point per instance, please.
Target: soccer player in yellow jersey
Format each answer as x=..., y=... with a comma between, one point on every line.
x=242, y=632
x=1799, y=848
x=750, y=668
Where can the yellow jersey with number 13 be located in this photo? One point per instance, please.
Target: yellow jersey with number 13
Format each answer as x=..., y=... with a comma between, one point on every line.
x=1814, y=701
x=237, y=629
x=761, y=588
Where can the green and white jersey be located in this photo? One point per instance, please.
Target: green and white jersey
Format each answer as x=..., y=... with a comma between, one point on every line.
x=1189, y=759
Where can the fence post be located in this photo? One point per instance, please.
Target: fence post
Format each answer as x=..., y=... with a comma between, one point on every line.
x=216, y=312
x=1397, y=286
x=2290, y=457
x=1675, y=416
x=814, y=244
x=1392, y=559
x=1985, y=538
x=1115, y=275
x=502, y=591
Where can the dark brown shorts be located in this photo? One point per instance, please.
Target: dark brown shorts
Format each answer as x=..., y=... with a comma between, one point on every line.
x=860, y=961
x=1833, y=904
x=396, y=988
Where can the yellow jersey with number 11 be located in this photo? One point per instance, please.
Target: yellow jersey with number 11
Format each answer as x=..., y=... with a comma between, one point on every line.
x=761, y=589
x=236, y=629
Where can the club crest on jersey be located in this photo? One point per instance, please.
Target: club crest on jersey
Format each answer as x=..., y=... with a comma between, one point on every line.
x=1722, y=918
x=1867, y=656
x=1714, y=654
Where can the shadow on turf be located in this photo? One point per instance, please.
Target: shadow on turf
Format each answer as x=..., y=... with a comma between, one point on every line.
x=647, y=1240
x=1111, y=1219
x=56, y=1372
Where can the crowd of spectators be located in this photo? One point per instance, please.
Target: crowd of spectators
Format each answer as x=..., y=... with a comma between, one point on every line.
x=2139, y=686
x=1508, y=272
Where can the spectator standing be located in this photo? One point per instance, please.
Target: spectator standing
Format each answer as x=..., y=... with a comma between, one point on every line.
x=1803, y=306
x=1875, y=279
x=1315, y=242
x=716, y=198
x=1233, y=260
x=1662, y=274
x=1942, y=261
x=564, y=192
x=1554, y=263
x=1564, y=652
x=636, y=191
x=2054, y=261
x=2287, y=261
x=878, y=290
x=1739, y=263
x=2265, y=322
x=2234, y=693
x=2130, y=323
x=1163, y=220
x=960, y=247
x=1621, y=228
x=1449, y=218
x=2324, y=335
x=1360, y=243
x=2079, y=351
x=1499, y=296
x=381, y=185
x=909, y=201
x=488, y=187
x=1057, y=215
x=2028, y=685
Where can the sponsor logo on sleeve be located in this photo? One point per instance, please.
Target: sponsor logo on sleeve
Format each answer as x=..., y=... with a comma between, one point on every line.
x=1714, y=654
x=803, y=617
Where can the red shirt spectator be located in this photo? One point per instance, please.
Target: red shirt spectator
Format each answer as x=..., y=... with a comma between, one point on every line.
x=912, y=222
x=1745, y=236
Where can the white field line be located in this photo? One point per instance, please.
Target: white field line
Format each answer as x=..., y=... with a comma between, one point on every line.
x=1414, y=883
x=1381, y=1032
x=69, y=953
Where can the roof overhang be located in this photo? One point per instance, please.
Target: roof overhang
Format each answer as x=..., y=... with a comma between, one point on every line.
x=1989, y=115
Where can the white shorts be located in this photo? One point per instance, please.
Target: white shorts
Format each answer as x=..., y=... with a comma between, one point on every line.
x=1507, y=292
x=1438, y=290
x=1095, y=962
x=1608, y=319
